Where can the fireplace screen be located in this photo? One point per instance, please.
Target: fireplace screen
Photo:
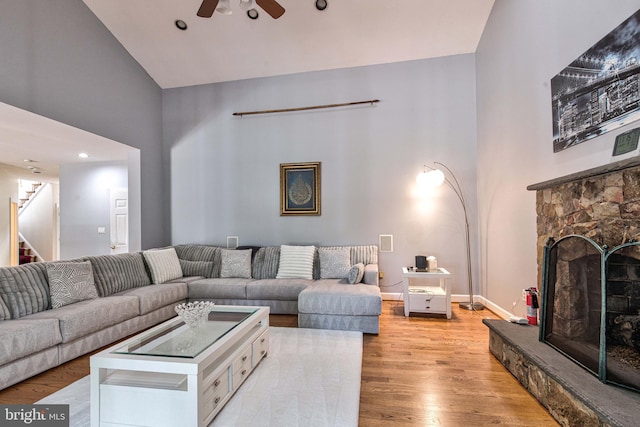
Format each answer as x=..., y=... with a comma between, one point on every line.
x=591, y=307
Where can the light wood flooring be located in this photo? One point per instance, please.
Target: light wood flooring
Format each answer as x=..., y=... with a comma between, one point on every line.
x=419, y=371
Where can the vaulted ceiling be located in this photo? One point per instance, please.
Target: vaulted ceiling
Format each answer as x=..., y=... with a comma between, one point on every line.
x=348, y=33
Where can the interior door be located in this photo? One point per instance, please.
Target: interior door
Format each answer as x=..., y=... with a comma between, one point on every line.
x=119, y=201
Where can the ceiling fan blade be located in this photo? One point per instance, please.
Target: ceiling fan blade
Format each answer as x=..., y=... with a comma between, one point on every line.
x=207, y=8
x=272, y=7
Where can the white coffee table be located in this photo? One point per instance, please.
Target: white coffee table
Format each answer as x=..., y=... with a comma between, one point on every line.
x=172, y=375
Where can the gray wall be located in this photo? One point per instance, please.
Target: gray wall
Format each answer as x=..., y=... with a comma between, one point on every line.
x=59, y=61
x=526, y=43
x=224, y=170
x=84, y=206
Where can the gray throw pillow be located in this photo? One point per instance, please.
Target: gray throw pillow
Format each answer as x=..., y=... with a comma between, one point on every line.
x=335, y=263
x=70, y=282
x=356, y=273
x=236, y=263
x=163, y=264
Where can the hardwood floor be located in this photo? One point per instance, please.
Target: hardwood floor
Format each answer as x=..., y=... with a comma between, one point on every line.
x=419, y=371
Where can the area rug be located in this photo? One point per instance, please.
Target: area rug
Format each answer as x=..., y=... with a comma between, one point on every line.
x=311, y=377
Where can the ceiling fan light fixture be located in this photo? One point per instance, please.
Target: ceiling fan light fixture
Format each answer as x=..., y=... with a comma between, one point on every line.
x=321, y=4
x=252, y=13
x=224, y=7
x=246, y=5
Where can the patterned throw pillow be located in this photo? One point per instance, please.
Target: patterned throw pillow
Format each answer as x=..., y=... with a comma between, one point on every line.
x=296, y=262
x=334, y=263
x=163, y=264
x=236, y=263
x=356, y=273
x=70, y=282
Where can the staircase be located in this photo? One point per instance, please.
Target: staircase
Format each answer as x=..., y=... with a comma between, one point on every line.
x=25, y=254
x=26, y=190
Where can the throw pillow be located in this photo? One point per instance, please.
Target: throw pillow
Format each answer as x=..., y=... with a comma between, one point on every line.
x=70, y=282
x=163, y=264
x=334, y=263
x=356, y=273
x=196, y=268
x=236, y=263
x=296, y=262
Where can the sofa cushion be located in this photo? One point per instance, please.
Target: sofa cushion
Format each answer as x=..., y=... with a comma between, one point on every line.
x=277, y=289
x=22, y=337
x=266, y=262
x=296, y=262
x=196, y=268
x=356, y=273
x=235, y=263
x=116, y=273
x=24, y=289
x=212, y=288
x=85, y=317
x=158, y=296
x=334, y=263
x=333, y=297
x=164, y=264
x=201, y=253
x=70, y=282
x=5, y=314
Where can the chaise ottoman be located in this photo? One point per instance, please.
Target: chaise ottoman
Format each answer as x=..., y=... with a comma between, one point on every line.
x=333, y=304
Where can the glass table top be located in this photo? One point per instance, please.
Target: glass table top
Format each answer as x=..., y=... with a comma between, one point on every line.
x=176, y=339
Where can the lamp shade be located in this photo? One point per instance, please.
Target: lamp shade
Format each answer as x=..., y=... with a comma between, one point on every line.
x=433, y=178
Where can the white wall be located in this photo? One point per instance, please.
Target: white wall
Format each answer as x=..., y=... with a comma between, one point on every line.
x=224, y=170
x=526, y=43
x=84, y=206
x=62, y=63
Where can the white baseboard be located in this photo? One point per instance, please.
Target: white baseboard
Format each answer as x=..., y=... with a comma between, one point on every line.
x=456, y=298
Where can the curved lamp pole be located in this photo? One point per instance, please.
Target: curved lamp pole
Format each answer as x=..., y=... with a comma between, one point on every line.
x=433, y=178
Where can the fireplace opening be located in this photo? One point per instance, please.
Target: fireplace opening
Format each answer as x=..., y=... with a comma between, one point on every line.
x=591, y=317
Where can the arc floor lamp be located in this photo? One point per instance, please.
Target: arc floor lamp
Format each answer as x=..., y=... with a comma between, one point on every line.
x=435, y=177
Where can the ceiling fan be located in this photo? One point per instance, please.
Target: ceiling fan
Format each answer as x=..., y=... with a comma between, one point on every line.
x=272, y=7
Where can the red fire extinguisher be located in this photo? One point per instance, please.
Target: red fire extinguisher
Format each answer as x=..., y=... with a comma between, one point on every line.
x=532, y=305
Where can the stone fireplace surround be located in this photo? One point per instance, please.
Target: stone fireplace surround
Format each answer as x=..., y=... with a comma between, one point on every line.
x=603, y=204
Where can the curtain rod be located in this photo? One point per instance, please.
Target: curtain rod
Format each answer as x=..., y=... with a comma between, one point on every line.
x=314, y=107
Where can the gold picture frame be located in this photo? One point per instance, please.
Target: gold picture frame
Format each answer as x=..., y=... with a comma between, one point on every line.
x=300, y=188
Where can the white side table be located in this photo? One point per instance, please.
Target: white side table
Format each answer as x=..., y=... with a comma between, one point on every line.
x=427, y=298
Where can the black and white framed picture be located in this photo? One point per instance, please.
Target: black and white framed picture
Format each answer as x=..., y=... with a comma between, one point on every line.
x=600, y=90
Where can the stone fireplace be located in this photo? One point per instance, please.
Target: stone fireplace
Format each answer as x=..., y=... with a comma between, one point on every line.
x=593, y=219
x=587, y=226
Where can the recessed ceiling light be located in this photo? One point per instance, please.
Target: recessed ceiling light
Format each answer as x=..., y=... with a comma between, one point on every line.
x=252, y=13
x=181, y=24
x=321, y=4
x=29, y=161
x=83, y=155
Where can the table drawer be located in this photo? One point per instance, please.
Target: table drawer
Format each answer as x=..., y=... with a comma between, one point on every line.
x=260, y=348
x=217, y=391
x=243, y=361
x=428, y=303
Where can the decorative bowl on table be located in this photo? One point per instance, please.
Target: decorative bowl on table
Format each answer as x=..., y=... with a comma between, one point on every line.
x=194, y=313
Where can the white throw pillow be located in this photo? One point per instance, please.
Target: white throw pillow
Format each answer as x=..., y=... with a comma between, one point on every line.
x=235, y=263
x=296, y=262
x=164, y=264
x=70, y=282
x=335, y=263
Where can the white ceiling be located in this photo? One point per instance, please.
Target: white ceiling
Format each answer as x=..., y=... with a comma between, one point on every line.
x=48, y=143
x=347, y=33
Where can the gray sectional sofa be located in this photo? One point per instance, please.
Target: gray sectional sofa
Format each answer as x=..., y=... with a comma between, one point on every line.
x=47, y=318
